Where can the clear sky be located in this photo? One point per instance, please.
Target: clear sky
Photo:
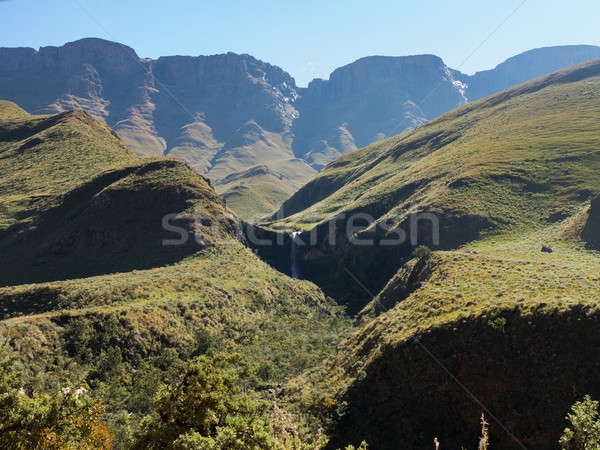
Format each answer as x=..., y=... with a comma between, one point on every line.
x=309, y=38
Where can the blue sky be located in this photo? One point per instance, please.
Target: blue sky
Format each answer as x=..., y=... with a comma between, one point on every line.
x=308, y=38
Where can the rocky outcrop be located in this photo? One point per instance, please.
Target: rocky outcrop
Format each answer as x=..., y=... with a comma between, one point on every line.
x=371, y=99
x=591, y=231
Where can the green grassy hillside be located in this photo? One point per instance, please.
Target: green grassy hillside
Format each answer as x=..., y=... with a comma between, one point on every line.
x=515, y=161
x=256, y=192
x=489, y=323
x=511, y=158
x=77, y=202
x=256, y=171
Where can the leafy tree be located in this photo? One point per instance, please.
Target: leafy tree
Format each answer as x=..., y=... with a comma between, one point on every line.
x=67, y=418
x=207, y=410
x=584, y=433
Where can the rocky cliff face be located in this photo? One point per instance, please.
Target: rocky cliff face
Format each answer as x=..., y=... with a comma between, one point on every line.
x=527, y=66
x=226, y=91
x=371, y=99
x=591, y=231
x=189, y=105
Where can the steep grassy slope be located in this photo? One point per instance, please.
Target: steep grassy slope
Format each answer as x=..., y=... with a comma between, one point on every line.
x=256, y=192
x=504, y=321
x=516, y=160
x=44, y=157
x=538, y=139
x=250, y=193
x=259, y=191
x=527, y=66
x=77, y=202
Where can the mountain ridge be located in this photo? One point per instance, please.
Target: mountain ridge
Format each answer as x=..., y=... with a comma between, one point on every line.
x=198, y=108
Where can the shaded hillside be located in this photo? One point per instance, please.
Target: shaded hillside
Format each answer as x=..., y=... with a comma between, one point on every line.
x=226, y=113
x=516, y=160
x=77, y=202
x=498, y=326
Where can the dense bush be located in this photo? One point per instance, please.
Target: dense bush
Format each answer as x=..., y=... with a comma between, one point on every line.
x=584, y=433
x=421, y=251
x=66, y=418
x=206, y=409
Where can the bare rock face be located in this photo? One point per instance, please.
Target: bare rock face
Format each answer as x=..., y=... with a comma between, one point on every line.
x=591, y=231
x=371, y=99
x=90, y=69
x=228, y=90
x=189, y=105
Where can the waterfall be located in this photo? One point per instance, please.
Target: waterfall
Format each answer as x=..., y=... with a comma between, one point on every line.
x=293, y=254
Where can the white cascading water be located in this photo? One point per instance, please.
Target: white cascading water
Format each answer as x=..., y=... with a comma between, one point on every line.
x=293, y=258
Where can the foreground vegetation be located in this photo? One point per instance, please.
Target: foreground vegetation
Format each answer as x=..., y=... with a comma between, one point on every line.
x=125, y=334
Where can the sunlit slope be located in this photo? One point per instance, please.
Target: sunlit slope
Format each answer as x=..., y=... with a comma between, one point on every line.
x=43, y=157
x=512, y=159
x=77, y=202
x=259, y=191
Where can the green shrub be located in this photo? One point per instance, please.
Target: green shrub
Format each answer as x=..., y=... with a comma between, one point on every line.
x=65, y=418
x=584, y=433
x=421, y=251
x=207, y=409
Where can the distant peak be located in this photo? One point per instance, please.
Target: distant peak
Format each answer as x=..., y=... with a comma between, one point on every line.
x=250, y=173
x=398, y=59
x=92, y=42
x=378, y=60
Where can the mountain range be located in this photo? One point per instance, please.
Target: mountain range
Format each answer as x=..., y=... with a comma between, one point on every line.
x=225, y=114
